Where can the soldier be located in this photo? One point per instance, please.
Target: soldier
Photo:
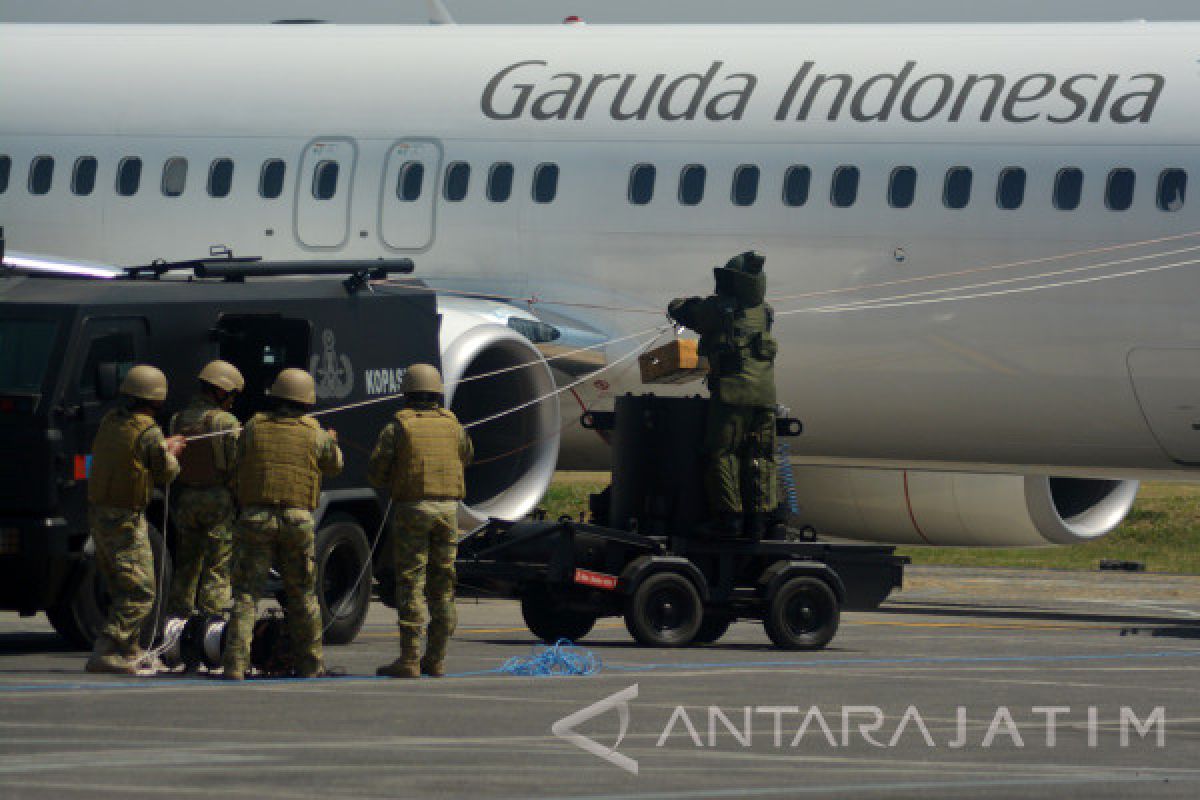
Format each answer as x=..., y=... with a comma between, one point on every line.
x=281, y=457
x=419, y=458
x=129, y=456
x=203, y=504
x=735, y=336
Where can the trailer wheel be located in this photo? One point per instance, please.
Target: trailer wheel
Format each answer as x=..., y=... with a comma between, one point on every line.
x=342, y=555
x=664, y=611
x=802, y=614
x=549, y=623
x=81, y=611
x=712, y=628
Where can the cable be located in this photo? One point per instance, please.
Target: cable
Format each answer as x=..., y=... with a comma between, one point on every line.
x=561, y=658
x=333, y=613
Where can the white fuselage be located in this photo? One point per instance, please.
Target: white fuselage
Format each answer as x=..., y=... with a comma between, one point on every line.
x=1089, y=378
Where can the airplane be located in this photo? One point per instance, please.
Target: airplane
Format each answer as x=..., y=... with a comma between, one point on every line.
x=979, y=242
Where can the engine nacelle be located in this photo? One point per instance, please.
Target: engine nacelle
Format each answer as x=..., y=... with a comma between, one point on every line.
x=489, y=368
x=959, y=509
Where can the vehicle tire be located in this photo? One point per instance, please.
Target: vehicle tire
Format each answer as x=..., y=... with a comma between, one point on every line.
x=81, y=612
x=664, y=611
x=712, y=628
x=549, y=622
x=343, y=578
x=802, y=614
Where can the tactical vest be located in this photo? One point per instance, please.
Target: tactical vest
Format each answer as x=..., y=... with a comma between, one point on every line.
x=198, y=463
x=428, y=456
x=278, y=463
x=118, y=477
x=741, y=356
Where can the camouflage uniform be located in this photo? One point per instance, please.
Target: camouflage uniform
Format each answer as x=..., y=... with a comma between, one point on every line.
x=203, y=510
x=281, y=458
x=420, y=457
x=735, y=336
x=129, y=457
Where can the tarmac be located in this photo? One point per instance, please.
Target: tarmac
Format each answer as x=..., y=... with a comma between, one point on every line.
x=969, y=683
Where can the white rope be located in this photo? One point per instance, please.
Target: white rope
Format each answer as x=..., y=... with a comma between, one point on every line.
x=333, y=612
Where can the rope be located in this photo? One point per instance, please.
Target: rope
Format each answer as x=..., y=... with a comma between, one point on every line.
x=562, y=658
x=530, y=301
x=334, y=612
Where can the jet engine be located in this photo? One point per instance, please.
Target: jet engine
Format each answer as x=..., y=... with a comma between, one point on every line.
x=959, y=509
x=496, y=376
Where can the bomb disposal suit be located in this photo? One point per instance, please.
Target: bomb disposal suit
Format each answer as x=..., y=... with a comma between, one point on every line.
x=420, y=458
x=735, y=336
x=281, y=457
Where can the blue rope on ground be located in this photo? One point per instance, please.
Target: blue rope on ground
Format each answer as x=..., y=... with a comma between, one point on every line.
x=562, y=658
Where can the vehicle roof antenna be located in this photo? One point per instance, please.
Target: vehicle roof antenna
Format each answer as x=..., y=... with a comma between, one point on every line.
x=439, y=14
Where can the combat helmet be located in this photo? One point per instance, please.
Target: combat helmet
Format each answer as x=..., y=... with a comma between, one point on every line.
x=743, y=278
x=295, y=385
x=422, y=379
x=145, y=383
x=223, y=375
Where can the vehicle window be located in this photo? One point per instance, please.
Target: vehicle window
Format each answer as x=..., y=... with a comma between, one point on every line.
x=25, y=349
x=83, y=177
x=691, y=184
x=1010, y=191
x=641, y=184
x=1068, y=188
x=458, y=179
x=174, y=176
x=1172, y=188
x=1118, y=194
x=116, y=348
x=5, y=169
x=270, y=179
x=545, y=183
x=844, y=190
x=795, y=185
x=220, y=177
x=902, y=187
x=129, y=176
x=41, y=174
x=409, y=181
x=745, y=185
x=325, y=180
x=500, y=180
x=957, y=191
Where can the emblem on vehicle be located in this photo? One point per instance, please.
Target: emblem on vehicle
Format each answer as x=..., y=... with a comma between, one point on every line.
x=333, y=373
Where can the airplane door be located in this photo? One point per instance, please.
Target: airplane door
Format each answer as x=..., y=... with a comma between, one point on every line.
x=410, y=186
x=1167, y=385
x=323, y=193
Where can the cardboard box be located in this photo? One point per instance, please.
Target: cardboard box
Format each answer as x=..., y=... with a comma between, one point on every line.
x=674, y=362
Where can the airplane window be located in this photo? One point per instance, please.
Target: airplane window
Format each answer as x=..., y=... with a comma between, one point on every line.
x=745, y=185
x=1172, y=187
x=270, y=179
x=1068, y=188
x=220, y=177
x=795, y=185
x=641, y=184
x=458, y=178
x=1010, y=193
x=83, y=177
x=691, y=184
x=500, y=182
x=129, y=176
x=325, y=180
x=1118, y=195
x=902, y=187
x=5, y=169
x=545, y=183
x=41, y=174
x=408, y=184
x=844, y=190
x=174, y=176
x=957, y=191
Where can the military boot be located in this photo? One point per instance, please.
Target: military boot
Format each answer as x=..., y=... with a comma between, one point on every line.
x=408, y=664
x=107, y=658
x=433, y=663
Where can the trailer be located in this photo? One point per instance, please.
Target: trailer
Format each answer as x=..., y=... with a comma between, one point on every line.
x=644, y=556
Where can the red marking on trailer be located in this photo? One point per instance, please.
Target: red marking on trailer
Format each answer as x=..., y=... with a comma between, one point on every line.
x=597, y=580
